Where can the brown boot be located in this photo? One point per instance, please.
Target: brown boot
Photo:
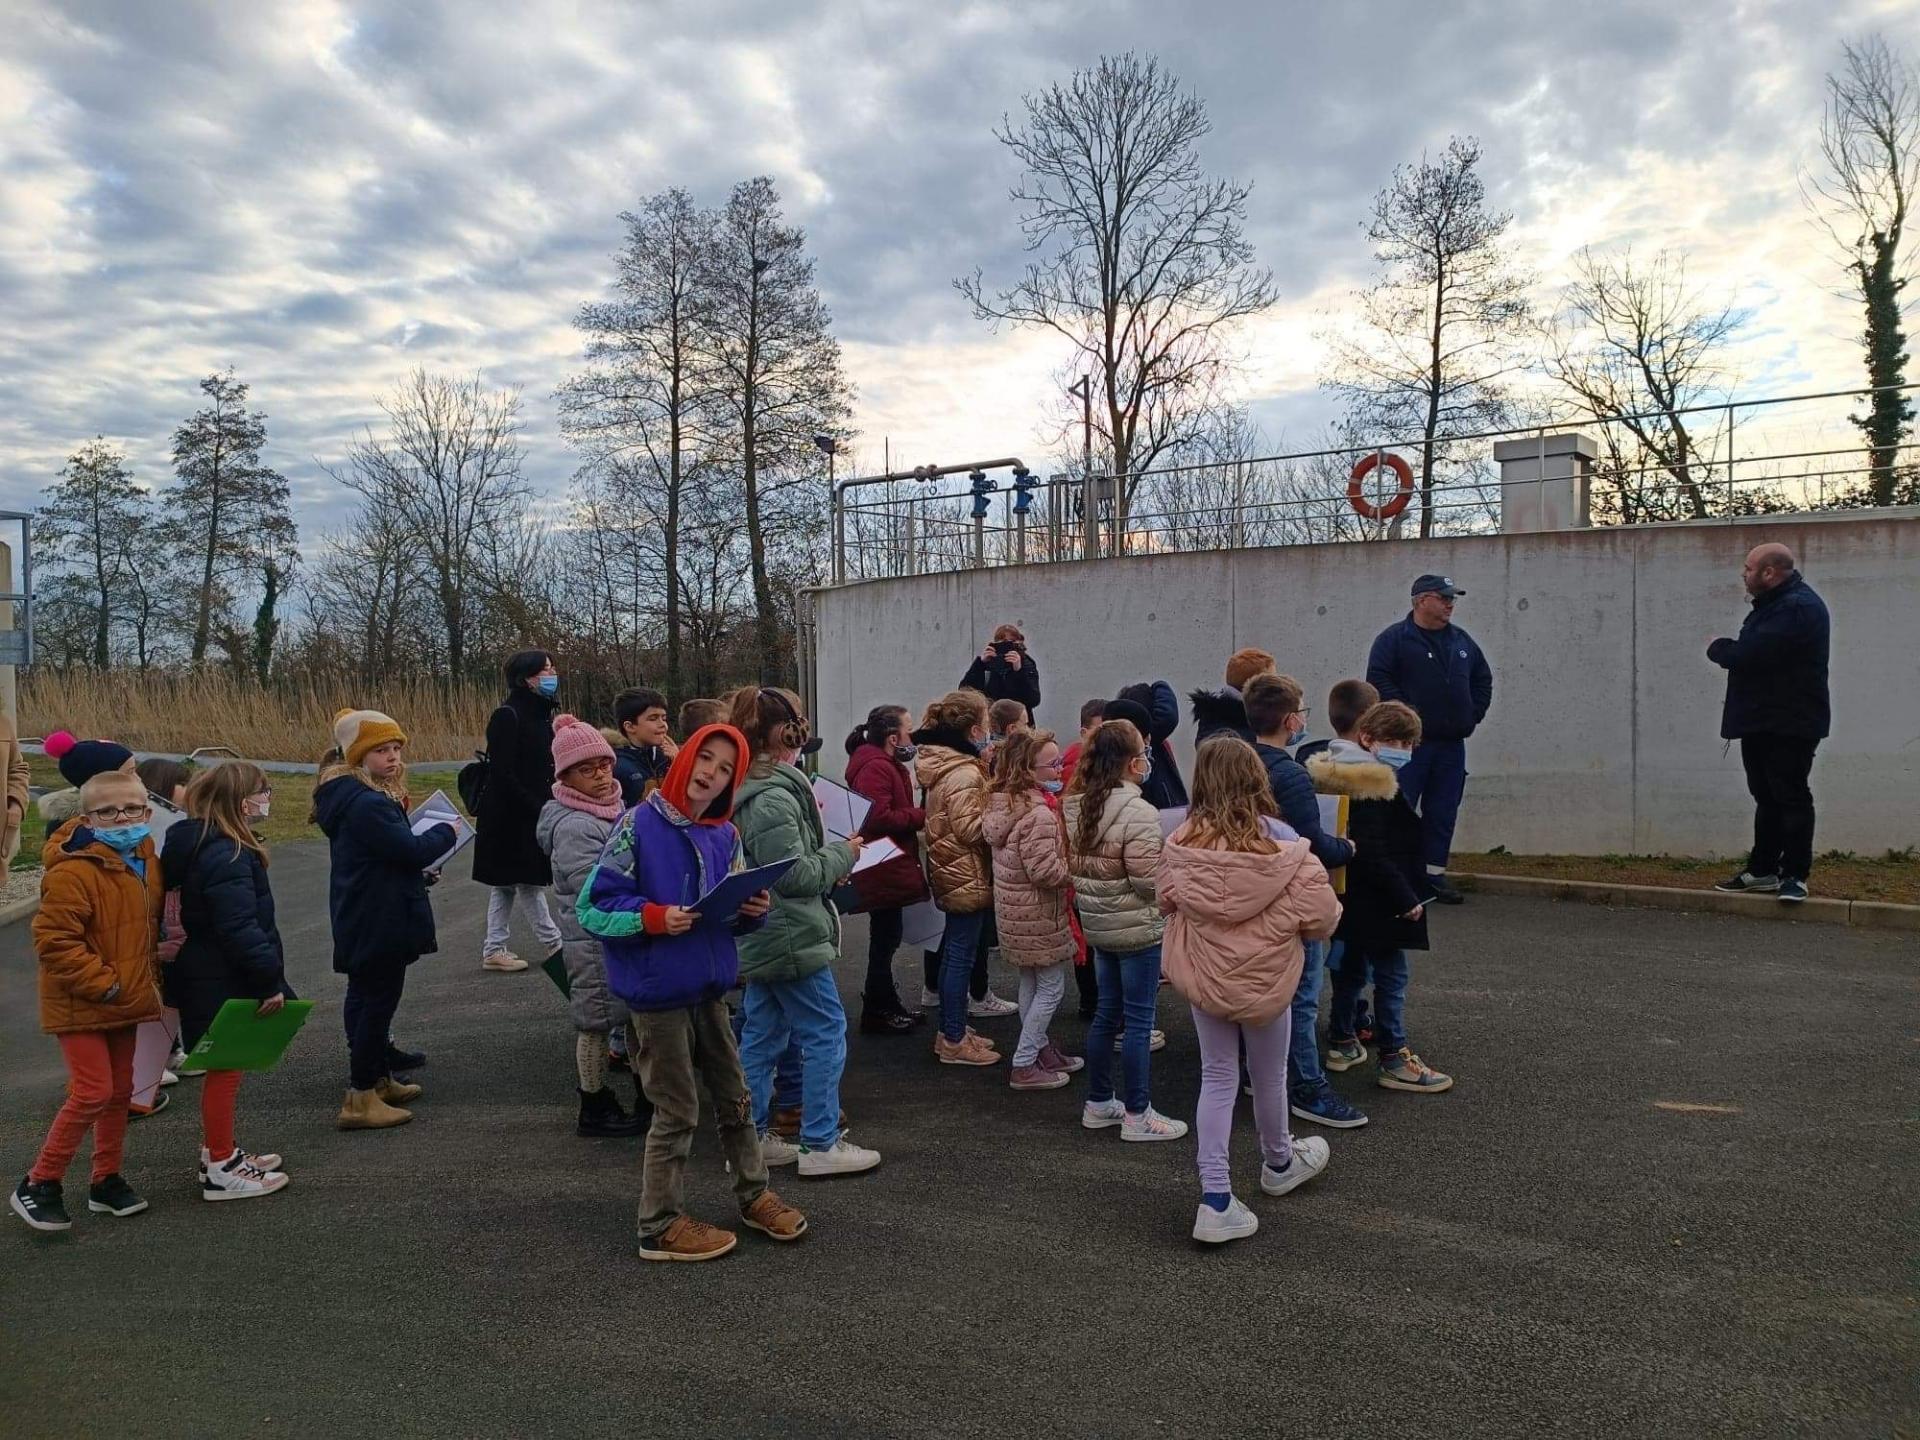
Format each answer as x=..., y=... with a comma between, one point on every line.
x=365, y=1110
x=786, y=1123
x=773, y=1217
x=688, y=1239
x=396, y=1092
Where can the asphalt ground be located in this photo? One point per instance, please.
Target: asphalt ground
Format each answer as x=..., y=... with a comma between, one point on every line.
x=1672, y=1193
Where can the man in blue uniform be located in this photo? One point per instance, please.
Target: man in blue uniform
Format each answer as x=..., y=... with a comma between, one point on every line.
x=1433, y=665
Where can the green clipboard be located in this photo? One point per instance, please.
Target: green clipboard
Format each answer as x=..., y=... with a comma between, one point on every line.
x=241, y=1038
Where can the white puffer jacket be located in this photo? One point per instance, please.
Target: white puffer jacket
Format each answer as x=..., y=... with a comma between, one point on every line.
x=1114, y=880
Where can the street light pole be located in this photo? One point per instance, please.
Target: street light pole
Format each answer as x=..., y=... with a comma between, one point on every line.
x=1090, y=523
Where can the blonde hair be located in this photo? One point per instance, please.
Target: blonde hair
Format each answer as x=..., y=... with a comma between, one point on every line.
x=1011, y=772
x=333, y=764
x=218, y=795
x=1231, y=797
x=1101, y=767
x=1390, y=720
x=956, y=710
x=97, y=786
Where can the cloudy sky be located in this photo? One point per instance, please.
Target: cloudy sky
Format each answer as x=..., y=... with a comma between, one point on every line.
x=323, y=195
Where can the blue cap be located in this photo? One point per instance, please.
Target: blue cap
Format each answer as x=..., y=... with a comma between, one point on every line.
x=1436, y=585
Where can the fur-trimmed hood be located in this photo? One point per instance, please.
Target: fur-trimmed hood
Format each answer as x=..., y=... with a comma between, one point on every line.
x=56, y=807
x=1218, y=710
x=1361, y=779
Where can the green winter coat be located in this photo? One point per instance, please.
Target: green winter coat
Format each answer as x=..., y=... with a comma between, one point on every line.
x=777, y=817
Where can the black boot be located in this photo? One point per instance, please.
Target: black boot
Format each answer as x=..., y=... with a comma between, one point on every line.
x=601, y=1117
x=400, y=1061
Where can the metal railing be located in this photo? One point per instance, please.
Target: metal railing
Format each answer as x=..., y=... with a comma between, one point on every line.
x=1741, y=458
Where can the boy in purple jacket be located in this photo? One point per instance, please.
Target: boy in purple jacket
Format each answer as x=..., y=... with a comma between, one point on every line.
x=673, y=967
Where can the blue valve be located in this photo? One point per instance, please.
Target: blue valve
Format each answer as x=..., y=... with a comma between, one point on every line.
x=982, y=493
x=1023, y=487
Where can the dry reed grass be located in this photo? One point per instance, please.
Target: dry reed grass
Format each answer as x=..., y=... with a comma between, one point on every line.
x=177, y=713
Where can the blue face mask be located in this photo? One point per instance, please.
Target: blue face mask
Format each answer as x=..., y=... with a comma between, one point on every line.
x=1052, y=787
x=124, y=838
x=1302, y=735
x=548, y=685
x=1392, y=755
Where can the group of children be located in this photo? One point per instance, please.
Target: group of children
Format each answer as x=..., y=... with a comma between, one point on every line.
x=1069, y=862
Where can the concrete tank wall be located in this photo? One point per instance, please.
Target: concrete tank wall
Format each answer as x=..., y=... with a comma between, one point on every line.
x=1604, y=732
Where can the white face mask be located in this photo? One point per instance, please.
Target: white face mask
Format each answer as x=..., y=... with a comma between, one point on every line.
x=259, y=809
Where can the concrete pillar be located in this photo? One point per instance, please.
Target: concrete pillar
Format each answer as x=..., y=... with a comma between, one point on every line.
x=1544, y=481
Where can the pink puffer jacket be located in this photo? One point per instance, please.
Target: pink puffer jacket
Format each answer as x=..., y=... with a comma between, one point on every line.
x=1232, y=946
x=1030, y=880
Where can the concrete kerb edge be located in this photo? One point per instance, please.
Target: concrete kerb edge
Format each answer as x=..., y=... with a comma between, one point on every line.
x=19, y=910
x=1859, y=914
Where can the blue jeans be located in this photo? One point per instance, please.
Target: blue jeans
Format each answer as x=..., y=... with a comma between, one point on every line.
x=786, y=1072
x=964, y=938
x=1129, y=986
x=806, y=1012
x=1303, y=1054
x=1434, y=782
x=1391, y=971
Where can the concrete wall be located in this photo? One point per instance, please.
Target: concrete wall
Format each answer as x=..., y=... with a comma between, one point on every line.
x=1604, y=732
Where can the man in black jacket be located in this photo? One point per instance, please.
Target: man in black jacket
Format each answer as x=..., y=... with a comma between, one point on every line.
x=1005, y=671
x=1777, y=707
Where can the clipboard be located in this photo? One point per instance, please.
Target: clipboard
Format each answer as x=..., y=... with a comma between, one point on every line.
x=241, y=1038
x=730, y=894
x=436, y=809
x=842, y=812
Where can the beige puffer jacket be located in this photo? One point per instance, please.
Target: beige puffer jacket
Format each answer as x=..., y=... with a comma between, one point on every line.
x=1029, y=880
x=1114, y=881
x=958, y=862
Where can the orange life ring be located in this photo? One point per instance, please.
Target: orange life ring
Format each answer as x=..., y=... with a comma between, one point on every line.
x=1357, y=497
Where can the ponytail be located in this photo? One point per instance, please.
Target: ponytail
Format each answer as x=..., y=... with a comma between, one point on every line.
x=881, y=722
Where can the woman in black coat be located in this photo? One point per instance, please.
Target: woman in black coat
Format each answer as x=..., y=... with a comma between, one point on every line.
x=1005, y=671
x=506, y=856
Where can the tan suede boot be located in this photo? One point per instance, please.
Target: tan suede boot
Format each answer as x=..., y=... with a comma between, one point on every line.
x=396, y=1092
x=365, y=1110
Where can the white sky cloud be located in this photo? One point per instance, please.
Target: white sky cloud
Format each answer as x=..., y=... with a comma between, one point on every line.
x=324, y=194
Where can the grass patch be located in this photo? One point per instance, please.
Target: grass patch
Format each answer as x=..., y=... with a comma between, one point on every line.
x=1837, y=875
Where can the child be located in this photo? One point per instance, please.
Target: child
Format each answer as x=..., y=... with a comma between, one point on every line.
x=1239, y=904
x=231, y=950
x=954, y=785
x=1113, y=852
x=1092, y=712
x=1277, y=721
x=788, y=963
x=1030, y=898
x=1384, y=915
x=78, y=761
x=1004, y=717
x=94, y=935
x=877, y=756
x=700, y=712
x=377, y=901
x=673, y=967
x=1347, y=701
x=648, y=749
x=1154, y=710
x=572, y=830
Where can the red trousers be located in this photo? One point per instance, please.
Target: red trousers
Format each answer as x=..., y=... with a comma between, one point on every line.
x=99, y=1085
x=218, y=1091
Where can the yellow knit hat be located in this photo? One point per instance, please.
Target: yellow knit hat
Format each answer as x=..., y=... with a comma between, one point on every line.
x=358, y=731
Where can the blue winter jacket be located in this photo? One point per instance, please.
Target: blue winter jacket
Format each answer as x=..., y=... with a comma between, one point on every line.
x=656, y=856
x=1777, y=669
x=1440, y=673
x=1299, y=806
x=377, y=893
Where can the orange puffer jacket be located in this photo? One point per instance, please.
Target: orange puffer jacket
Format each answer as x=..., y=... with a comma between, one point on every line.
x=1030, y=880
x=1237, y=919
x=95, y=933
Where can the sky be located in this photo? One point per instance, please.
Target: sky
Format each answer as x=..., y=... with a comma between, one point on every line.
x=325, y=195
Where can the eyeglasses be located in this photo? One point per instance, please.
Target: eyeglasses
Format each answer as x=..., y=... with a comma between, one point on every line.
x=111, y=814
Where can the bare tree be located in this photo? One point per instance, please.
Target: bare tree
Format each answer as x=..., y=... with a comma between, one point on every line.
x=777, y=383
x=1638, y=349
x=1442, y=322
x=1870, y=140
x=226, y=510
x=82, y=533
x=1141, y=263
x=446, y=476
x=642, y=411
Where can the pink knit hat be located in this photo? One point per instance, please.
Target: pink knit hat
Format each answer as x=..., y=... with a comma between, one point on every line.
x=574, y=740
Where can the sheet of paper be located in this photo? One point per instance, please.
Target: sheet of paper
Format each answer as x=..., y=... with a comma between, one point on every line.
x=437, y=809
x=922, y=925
x=842, y=812
x=1171, y=819
x=152, y=1044
x=877, y=852
x=165, y=816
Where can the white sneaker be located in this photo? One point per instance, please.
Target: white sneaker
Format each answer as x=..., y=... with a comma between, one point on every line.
x=1156, y=1041
x=167, y=1077
x=929, y=999
x=778, y=1150
x=1310, y=1156
x=267, y=1161
x=990, y=1006
x=1103, y=1114
x=1150, y=1124
x=235, y=1179
x=842, y=1158
x=1216, y=1227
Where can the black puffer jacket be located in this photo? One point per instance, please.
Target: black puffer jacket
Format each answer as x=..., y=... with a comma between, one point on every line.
x=519, y=784
x=1387, y=875
x=232, y=947
x=1777, y=669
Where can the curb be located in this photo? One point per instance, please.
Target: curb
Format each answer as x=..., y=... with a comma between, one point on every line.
x=1857, y=914
x=19, y=910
